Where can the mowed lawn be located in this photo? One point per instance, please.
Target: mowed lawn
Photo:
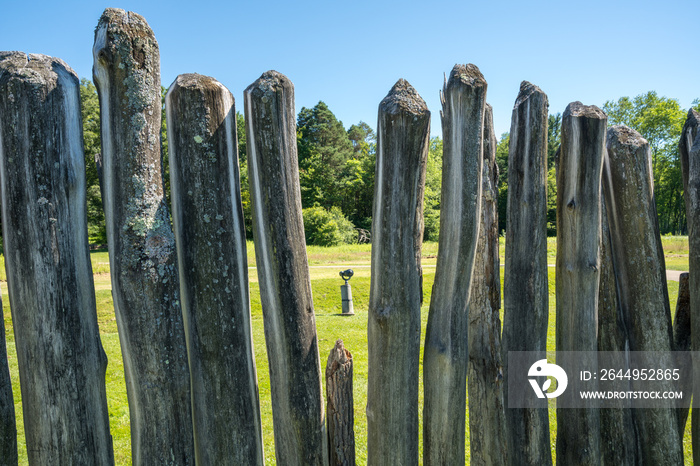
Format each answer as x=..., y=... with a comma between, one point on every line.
x=325, y=263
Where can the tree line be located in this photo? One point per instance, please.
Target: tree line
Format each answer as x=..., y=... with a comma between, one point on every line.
x=336, y=168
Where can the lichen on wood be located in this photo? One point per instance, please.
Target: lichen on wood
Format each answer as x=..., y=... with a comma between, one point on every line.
x=578, y=266
x=143, y=260
x=446, y=347
x=340, y=414
x=689, y=151
x=283, y=272
x=212, y=258
x=640, y=273
x=393, y=330
x=525, y=289
x=61, y=360
x=487, y=424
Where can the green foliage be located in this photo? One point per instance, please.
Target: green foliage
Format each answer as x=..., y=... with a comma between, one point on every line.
x=553, y=138
x=240, y=133
x=90, y=113
x=502, y=162
x=553, y=143
x=357, y=177
x=243, y=167
x=336, y=168
x=502, y=149
x=164, y=159
x=433, y=191
x=324, y=148
x=327, y=227
x=660, y=121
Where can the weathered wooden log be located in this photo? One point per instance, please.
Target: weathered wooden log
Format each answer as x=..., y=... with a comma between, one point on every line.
x=487, y=424
x=681, y=322
x=689, y=149
x=396, y=289
x=8, y=426
x=618, y=438
x=142, y=256
x=446, y=357
x=283, y=272
x=211, y=251
x=641, y=280
x=526, y=295
x=682, y=340
x=61, y=360
x=578, y=266
x=340, y=414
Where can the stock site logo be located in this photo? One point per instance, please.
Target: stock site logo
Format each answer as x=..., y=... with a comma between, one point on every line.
x=544, y=369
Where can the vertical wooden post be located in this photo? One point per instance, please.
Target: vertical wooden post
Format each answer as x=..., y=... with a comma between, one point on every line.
x=211, y=249
x=689, y=149
x=682, y=339
x=341, y=417
x=681, y=322
x=578, y=266
x=403, y=132
x=61, y=361
x=526, y=295
x=8, y=426
x=487, y=424
x=142, y=256
x=618, y=437
x=446, y=347
x=642, y=290
x=283, y=272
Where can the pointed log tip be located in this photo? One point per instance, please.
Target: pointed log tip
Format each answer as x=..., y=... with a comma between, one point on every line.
x=692, y=120
x=690, y=136
x=269, y=81
x=34, y=68
x=488, y=120
x=196, y=82
x=622, y=136
x=343, y=355
x=528, y=90
x=116, y=20
x=468, y=75
x=578, y=110
x=113, y=15
x=403, y=98
x=339, y=356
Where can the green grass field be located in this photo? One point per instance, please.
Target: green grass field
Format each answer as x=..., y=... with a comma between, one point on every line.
x=325, y=264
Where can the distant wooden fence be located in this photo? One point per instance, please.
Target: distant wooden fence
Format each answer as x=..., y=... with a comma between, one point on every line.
x=181, y=296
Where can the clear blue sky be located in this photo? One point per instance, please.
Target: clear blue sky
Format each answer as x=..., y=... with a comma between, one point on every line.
x=349, y=54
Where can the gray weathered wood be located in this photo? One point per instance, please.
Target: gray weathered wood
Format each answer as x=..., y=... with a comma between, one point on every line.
x=446, y=347
x=487, y=424
x=341, y=418
x=211, y=249
x=396, y=289
x=681, y=322
x=52, y=298
x=142, y=256
x=689, y=149
x=618, y=438
x=8, y=426
x=526, y=295
x=283, y=272
x=641, y=279
x=682, y=339
x=578, y=266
